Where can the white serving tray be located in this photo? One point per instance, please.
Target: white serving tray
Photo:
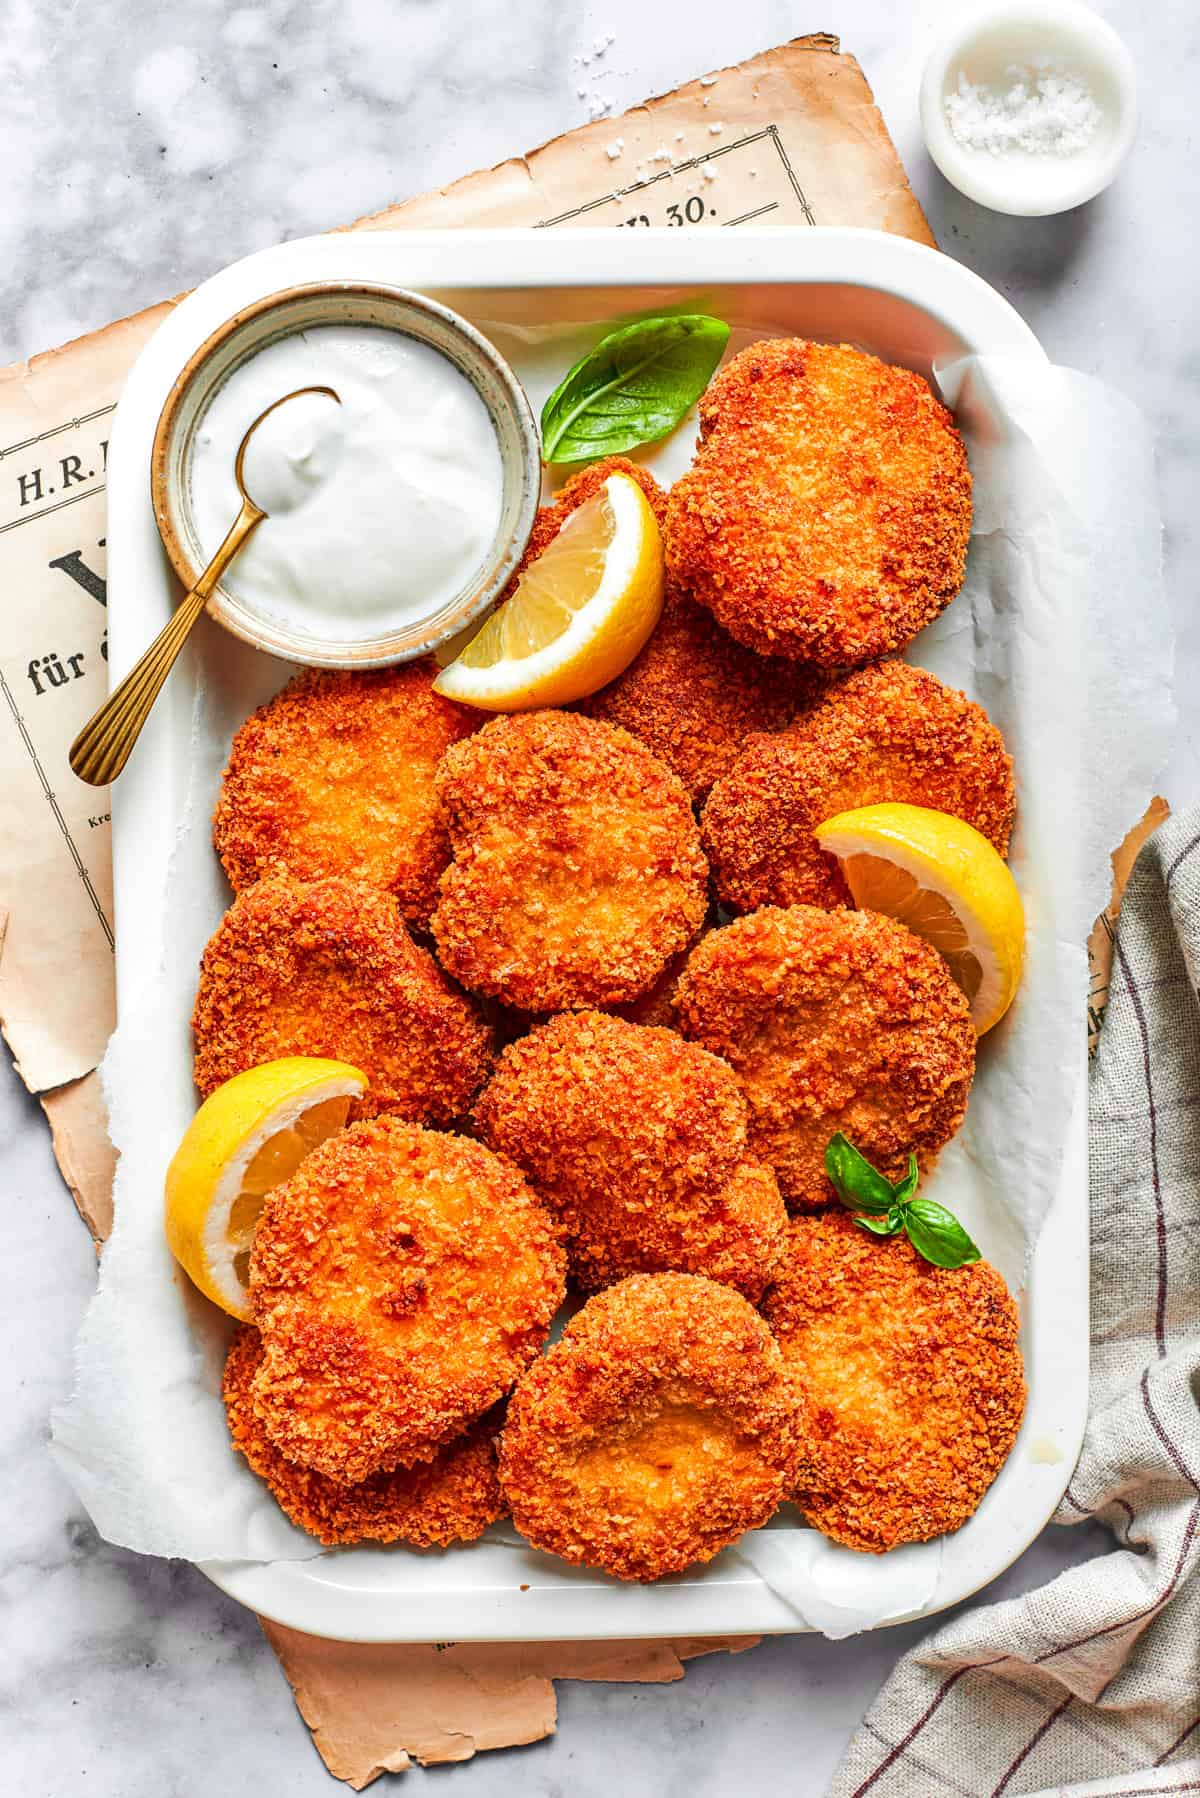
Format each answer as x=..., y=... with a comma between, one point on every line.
x=898, y=299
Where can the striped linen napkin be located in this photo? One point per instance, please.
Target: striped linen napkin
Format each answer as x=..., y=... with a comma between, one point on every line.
x=1091, y=1685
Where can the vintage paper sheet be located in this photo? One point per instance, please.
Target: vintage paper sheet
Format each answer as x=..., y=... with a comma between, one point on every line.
x=792, y=137
x=56, y=975
x=1104, y=932
x=376, y=1710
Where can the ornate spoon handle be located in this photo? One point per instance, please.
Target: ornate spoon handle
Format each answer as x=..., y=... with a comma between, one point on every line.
x=102, y=747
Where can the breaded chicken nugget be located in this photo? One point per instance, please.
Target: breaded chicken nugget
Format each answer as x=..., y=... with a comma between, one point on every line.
x=910, y=1377
x=833, y=1021
x=401, y=1280
x=660, y=1428
x=692, y=695
x=451, y=1498
x=637, y=1142
x=577, y=870
x=886, y=733
x=328, y=968
x=335, y=776
x=827, y=513
x=657, y=1004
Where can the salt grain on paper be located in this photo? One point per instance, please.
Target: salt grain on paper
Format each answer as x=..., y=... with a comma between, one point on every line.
x=1042, y=109
x=599, y=106
x=613, y=150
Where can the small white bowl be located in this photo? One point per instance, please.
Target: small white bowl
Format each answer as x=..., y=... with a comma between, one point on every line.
x=982, y=47
x=303, y=307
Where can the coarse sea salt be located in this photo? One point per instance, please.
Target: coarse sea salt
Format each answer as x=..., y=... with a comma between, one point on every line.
x=1039, y=108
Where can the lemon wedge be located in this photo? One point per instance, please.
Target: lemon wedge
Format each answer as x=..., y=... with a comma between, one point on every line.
x=580, y=612
x=247, y=1137
x=946, y=882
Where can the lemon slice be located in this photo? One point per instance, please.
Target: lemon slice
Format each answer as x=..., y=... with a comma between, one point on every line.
x=580, y=612
x=247, y=1137
x=941, y=878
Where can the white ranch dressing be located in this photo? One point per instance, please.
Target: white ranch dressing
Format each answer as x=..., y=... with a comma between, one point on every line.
x=380, y=509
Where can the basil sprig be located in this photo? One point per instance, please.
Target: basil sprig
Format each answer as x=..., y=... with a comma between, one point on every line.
x=885, y=1208
x=633, y=388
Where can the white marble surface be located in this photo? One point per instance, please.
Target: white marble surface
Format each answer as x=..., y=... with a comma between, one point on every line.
x=144, y=146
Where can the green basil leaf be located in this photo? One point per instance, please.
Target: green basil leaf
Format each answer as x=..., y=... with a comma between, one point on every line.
x=937, y=1234
x=905, y=1189
x=857, y=1184
x=633, y=388
x=882, y=1226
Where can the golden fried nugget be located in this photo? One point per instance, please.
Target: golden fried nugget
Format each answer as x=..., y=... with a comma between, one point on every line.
x=401, y=1280
x=910, y=1377
x=637, y=1142
x=657, y=1004
x=833, y=1021
x=692, y=695
x=328, y=968
x=577, y=870
x=827, y=513
x=335, y=776
x=890, y=732
x=657, y=1431
x=451, y=1498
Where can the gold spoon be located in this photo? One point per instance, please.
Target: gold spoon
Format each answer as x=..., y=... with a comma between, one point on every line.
x=101, y=749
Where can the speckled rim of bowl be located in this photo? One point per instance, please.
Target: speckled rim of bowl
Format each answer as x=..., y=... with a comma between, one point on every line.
x=348, y=302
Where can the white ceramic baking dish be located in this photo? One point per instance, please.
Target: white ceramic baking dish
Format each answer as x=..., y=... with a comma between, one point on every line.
x=898, y=299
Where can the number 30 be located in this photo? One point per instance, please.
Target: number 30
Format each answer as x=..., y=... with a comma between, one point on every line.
x=692, y=212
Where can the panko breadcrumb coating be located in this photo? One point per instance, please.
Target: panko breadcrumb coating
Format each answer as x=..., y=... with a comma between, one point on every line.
x=657, y=1004
x=577, y=870
x=451, y=1498
x=637, y=1142
x=335, y=776
x=401, y=1280
x=692, y=694
x=890, y=732
x=328, y=968
x=657, y=1431
x=910, y=1377
x=833, y=1021
x=827, y=513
